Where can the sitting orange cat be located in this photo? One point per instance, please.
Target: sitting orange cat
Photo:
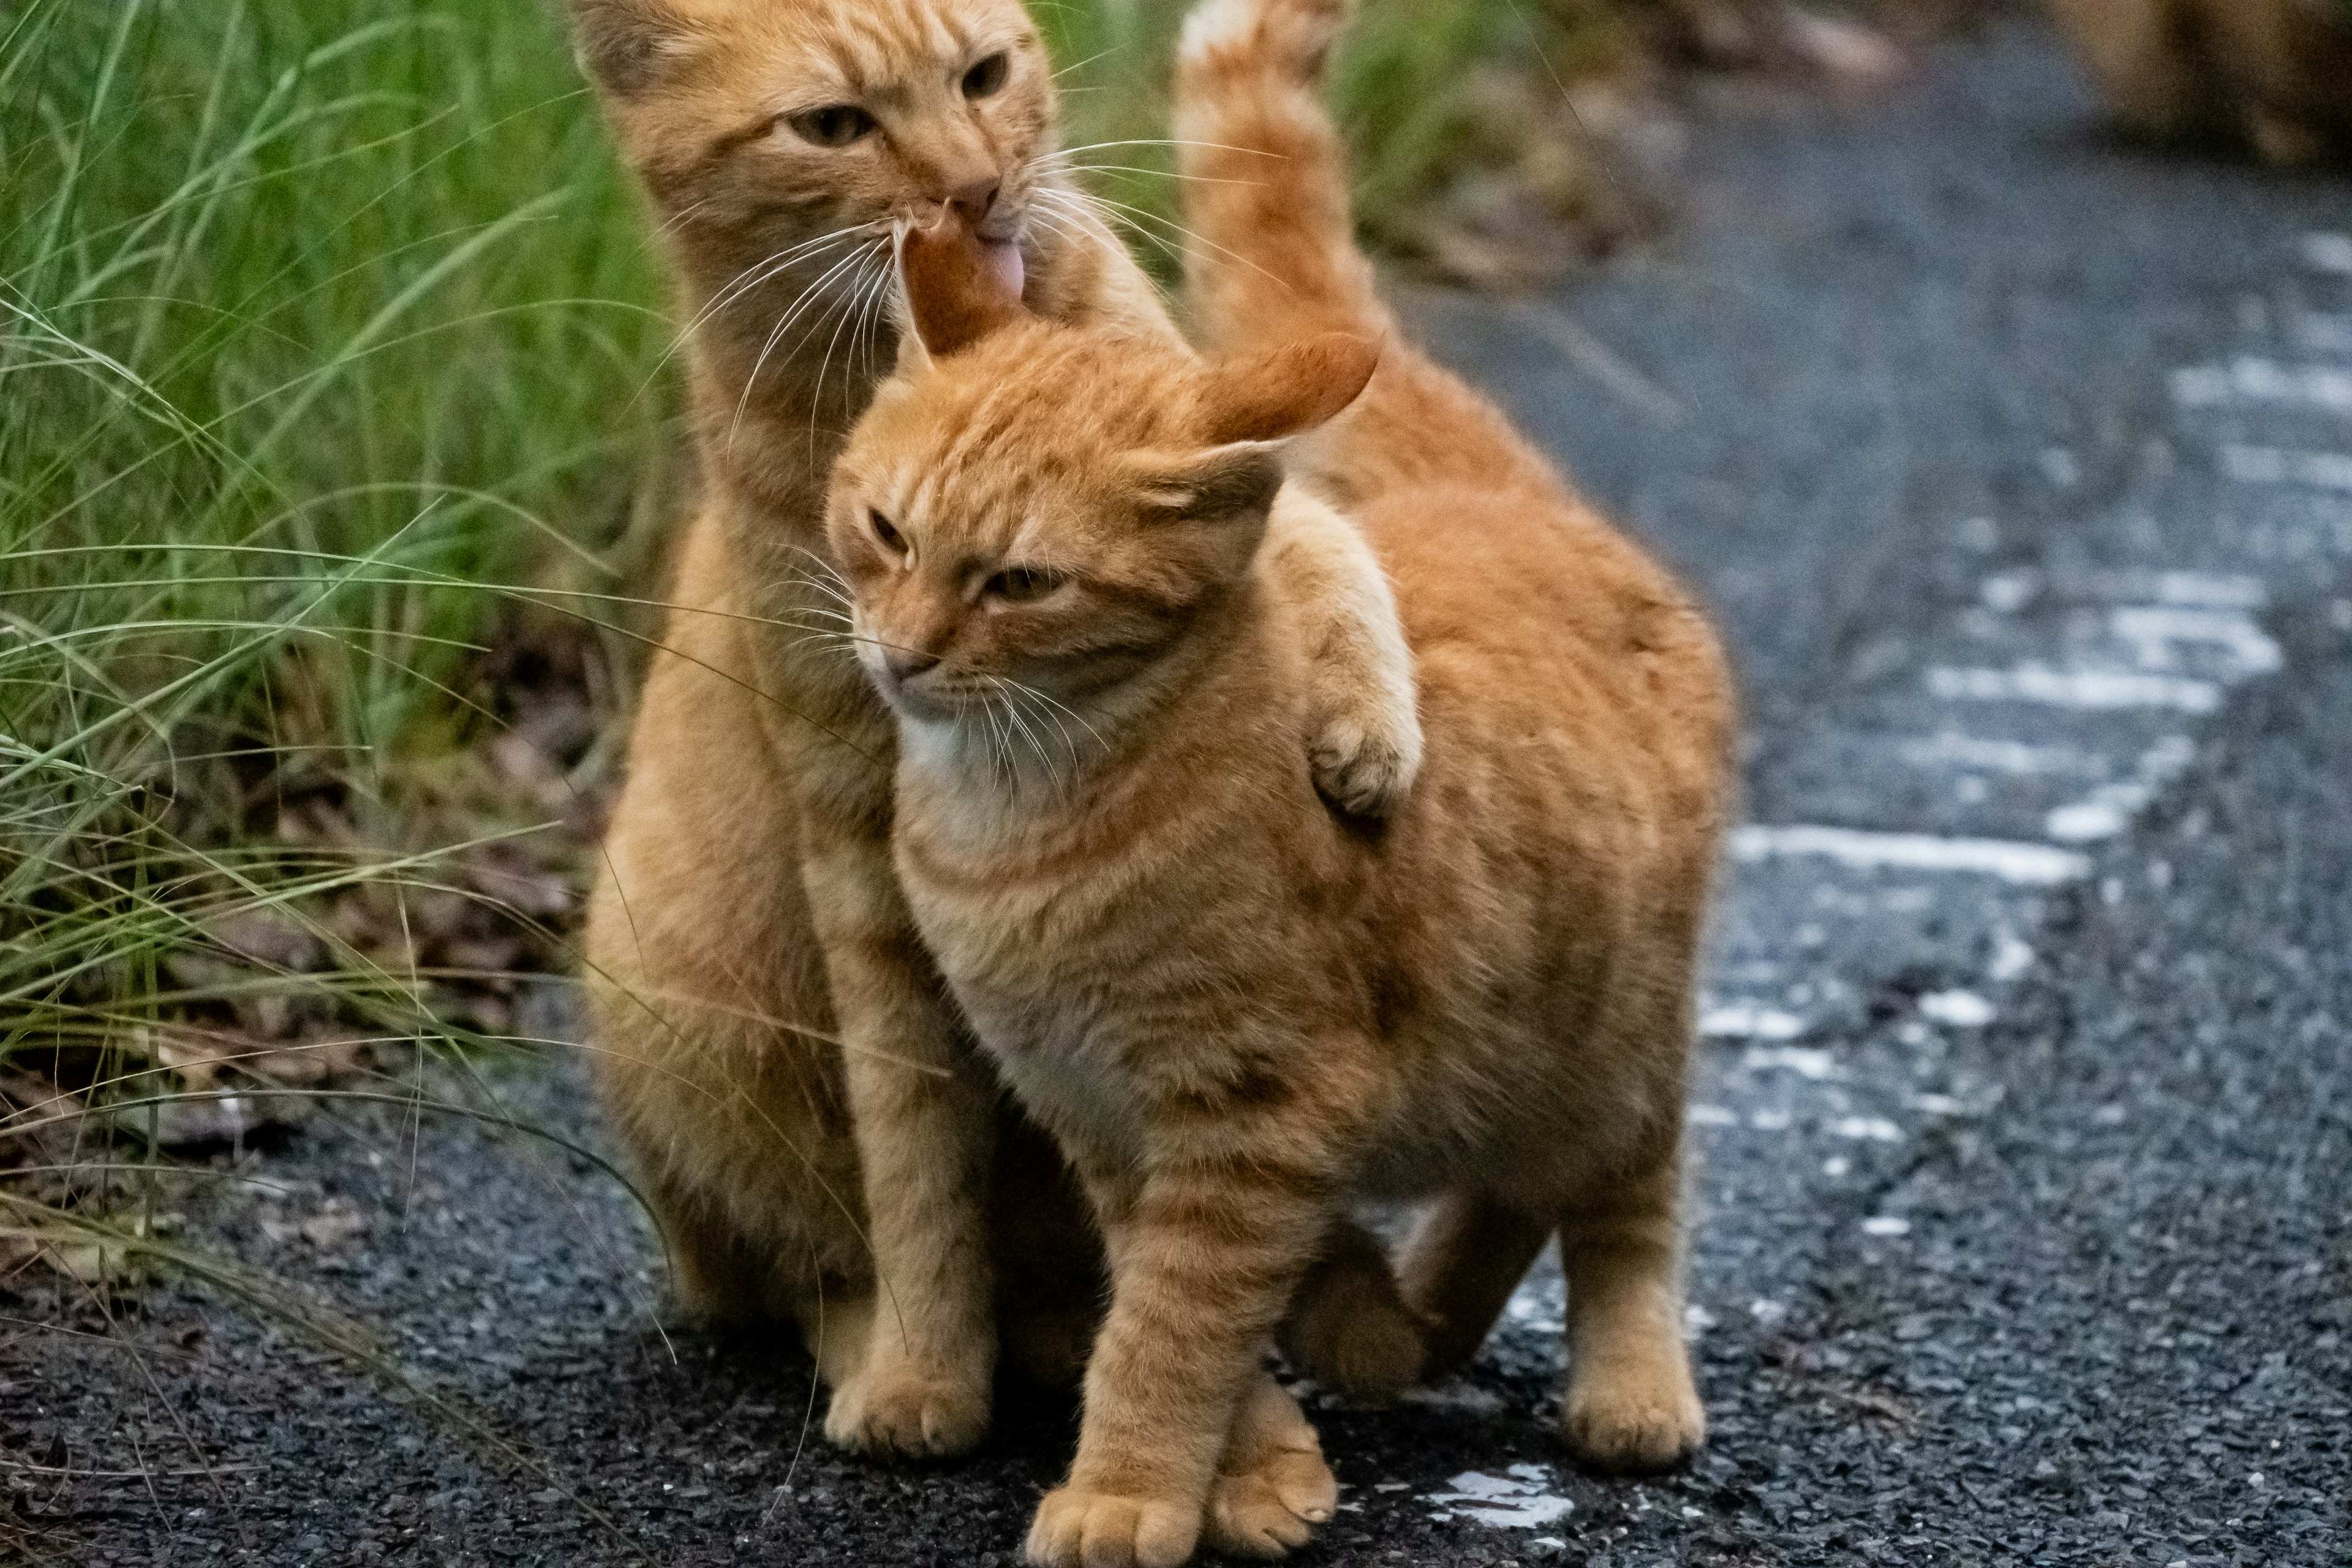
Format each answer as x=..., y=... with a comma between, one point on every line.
x=775, y=1049
x=1234, y=1010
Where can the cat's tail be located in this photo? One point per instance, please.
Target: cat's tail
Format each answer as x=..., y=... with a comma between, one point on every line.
x=1270, y=253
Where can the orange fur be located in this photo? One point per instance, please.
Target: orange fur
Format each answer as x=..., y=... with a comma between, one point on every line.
x=1234, y=1011
x=776, y=1050
x=2276, y=72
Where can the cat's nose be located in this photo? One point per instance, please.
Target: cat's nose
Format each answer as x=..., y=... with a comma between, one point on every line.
x=975, y=196
x=906, y=663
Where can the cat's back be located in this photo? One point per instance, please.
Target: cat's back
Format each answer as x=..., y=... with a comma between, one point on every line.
x=1540, y=629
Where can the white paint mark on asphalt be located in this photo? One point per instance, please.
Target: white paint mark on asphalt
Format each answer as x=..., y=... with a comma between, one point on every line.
x=1956, y=1009
x=1750, y=1021
x=2248, y=379
x=1521, y=1499
x=2090, y=690
x=2214, y=590
x=2017, y=758
x=2322, y=331
x=1886, y=1225
x=2006, y=593
x=1875, y=1128
x=2325, y=252
x=1818, y=1066
x=2287, y=465
x=2154, y=630
x=2011, y=959
x=2109, y=809
x=2030, y=865
x=2107, y=812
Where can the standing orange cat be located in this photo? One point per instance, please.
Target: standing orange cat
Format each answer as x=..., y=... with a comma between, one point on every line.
x=1235, y=1012
x=776, y=1048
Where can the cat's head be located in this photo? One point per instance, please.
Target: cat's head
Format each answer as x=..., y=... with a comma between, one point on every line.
x=758, y=125
x=1032, y=506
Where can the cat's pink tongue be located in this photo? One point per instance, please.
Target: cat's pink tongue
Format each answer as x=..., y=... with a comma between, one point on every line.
x=1005, y=265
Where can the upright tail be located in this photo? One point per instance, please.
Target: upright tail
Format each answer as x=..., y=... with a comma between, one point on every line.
x=1271, y=254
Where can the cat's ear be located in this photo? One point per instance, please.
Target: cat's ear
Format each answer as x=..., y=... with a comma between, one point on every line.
x=1288, y=390
x=625, y=46
x=957, y=289
x=1235, y=482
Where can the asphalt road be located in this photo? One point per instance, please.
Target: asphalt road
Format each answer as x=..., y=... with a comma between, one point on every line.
x=2020, y=467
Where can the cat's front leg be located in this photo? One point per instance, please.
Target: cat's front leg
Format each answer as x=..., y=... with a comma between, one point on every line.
x=921, y=1105
x=1363, y=730
x=1205, y=1250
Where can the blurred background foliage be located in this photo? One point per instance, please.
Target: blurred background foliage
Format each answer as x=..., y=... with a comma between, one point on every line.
x=336, y=452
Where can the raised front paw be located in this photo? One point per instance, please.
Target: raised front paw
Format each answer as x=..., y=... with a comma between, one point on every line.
x=1365, y=763
x=1077, y=1527
x=1634, y=1417
x=903, y=1409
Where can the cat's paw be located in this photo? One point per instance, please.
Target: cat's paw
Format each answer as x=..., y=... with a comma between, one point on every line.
x=1359, y=1345
x=901, y=1409
x=1273, y=1507
x=1077, y=1527
x=1643, y=1418
x=1365, y=764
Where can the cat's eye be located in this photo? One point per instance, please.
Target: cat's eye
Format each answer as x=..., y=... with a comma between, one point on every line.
x=835, y=125
x=889, y=537
x=985, y=78
x=1020, y=584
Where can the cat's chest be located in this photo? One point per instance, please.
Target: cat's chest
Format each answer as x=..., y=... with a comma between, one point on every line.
x=1068, y=1069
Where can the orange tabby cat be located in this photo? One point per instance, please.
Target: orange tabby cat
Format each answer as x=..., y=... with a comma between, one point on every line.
x=777, y=1052
x=1234, y=1011
x=2276, y=72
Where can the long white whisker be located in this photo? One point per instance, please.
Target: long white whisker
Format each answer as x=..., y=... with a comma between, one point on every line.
x=1140, y=215
x=858, y=284
x=808, y=296
x=1154, y=142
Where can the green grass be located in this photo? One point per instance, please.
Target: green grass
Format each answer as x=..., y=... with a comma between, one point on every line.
x=328, y=346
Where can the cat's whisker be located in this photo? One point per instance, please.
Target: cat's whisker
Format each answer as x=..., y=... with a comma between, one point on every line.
x=1155, y=141
x=1162, y=174
x=1053, y=702
x=831, y=573
x=860, y=284
x=1016, y=722
x=760, y=271
x=859, y=323
x=742, y=283
x=807, y=296
x=1134, y=217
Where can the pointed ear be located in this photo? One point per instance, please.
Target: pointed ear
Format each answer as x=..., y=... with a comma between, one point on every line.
x=955, y=293
x=1235, y=481
x=1293, y=388
x=625, y=45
